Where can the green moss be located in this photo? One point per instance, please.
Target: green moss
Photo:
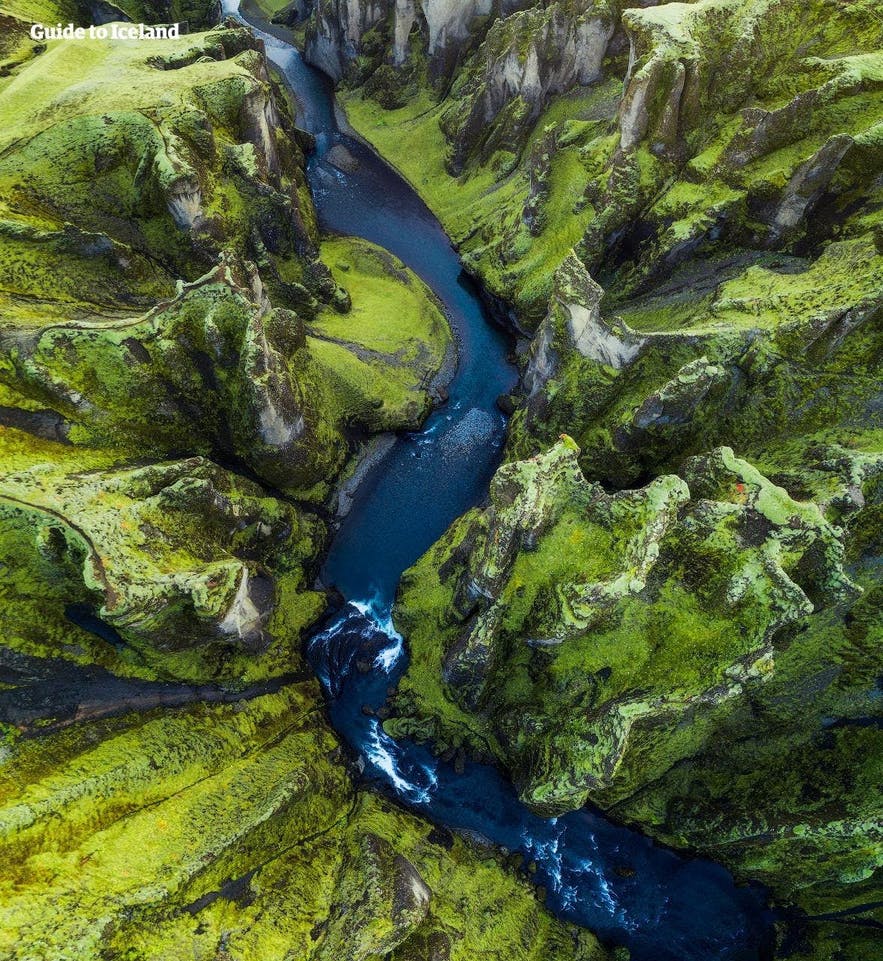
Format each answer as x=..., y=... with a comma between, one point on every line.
x=846, y=274
x=152, y=550
x=703, y=665
x=485, y=204
x=790, y=777
x=115, y=194
x=568, y=596
x=378, y=361
x=276, y=398
x=270, y=8
x=232, y=829
x=159, y=187
x=729, y=204
x=704, y=175
x=719, y=356
x=210, y=805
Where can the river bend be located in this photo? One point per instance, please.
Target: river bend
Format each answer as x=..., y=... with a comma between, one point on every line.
x=617, y=882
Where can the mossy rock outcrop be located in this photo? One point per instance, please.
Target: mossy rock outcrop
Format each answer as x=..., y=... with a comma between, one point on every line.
x=234, y=831
x=216, y=369
x=629, y=607
x=657, y=134
x=682, y=203
x=383, y=42
x=668, y=653
x=138, y=351
x=197, y=569
x=132, y=187
x=525, y=60
x=776, y=362
x=159, y=259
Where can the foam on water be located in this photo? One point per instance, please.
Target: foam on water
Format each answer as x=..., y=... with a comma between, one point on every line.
x=385, y=754
x=381, y=617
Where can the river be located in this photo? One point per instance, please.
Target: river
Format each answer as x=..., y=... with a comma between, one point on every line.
x=629, y=890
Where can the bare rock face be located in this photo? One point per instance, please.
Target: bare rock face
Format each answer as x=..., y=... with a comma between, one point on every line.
x=342, y=31
x=525, y=59
x=337, y=29
x=447, y=24
x=574, y=323
x=806, y=187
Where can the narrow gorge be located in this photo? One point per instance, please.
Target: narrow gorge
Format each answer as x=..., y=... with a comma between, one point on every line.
x=365, y=596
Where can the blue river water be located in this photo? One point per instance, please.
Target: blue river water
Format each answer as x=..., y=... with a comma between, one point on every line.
x=629, y=890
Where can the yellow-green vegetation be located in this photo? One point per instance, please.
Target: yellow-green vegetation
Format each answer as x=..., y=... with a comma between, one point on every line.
x=233, y=830
x=380, y=361
x=768, y=764
x=485, y=203
x=415, y=125
x=165, y=307
x=16, y=17
x=695, y=646
x=569, y=596
x=112, y=195
x=782, y=353
x=682, y=202
x=216, y=369
x=116, y=196
x=274, y=8
x=699, y=656
x=550, y=136
x=194, y=14
x=197, y=569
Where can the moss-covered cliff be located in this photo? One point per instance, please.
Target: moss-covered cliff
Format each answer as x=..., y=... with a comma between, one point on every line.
x=233, y=831
x=119, y=205
x=185, y=368
x=645, y=135
x=676, y=615
x=700, y=657
x=163, y=296
x=16, y=17
x=672, y=611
